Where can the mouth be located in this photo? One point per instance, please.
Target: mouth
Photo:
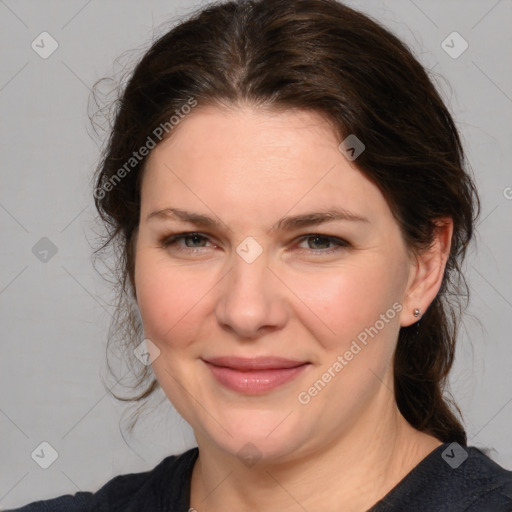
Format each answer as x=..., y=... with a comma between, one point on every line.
x=254, y=376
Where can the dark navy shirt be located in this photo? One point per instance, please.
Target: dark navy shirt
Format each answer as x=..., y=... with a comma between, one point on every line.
x=452, y=478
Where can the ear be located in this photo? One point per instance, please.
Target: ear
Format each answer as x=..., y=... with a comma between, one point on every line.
x=426, y=273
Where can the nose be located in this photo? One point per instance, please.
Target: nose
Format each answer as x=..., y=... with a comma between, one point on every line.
x=252, y=299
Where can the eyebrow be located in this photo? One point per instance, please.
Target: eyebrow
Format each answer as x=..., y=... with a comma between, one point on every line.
x=285, y=224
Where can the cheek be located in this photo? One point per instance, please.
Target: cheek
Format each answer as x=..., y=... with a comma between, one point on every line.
x=333, y=304
x=343, y=302
x=169, y=301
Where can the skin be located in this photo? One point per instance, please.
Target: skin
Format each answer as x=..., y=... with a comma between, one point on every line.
x=248, y=168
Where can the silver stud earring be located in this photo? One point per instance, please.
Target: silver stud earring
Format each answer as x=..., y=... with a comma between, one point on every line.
x=417, y=312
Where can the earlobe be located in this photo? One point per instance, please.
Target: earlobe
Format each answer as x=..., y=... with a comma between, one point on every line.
x=427, y=274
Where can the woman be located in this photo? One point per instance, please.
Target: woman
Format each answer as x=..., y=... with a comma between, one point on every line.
x=289, y=195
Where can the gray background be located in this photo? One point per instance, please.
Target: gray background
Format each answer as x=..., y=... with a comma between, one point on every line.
x=54, y=314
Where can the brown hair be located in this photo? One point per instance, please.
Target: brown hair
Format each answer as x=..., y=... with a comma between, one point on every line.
x=325, y=57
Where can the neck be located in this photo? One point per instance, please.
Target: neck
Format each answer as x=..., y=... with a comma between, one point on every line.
x=352, y=473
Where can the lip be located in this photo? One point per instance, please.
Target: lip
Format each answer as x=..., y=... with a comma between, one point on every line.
x=254, y=363
x=254, y=376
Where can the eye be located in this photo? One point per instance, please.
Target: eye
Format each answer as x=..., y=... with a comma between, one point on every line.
x=196, y=241
x=323, y=240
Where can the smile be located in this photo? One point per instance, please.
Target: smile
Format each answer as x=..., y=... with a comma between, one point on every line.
x=254, y=376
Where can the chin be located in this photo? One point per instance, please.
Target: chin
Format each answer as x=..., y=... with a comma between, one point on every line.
x=259, y=435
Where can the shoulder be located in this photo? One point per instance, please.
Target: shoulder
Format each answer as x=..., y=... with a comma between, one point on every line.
x=487, y=484
x=455, y=478
x=157, y=489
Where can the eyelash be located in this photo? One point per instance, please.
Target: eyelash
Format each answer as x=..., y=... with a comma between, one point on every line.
x=169, y=241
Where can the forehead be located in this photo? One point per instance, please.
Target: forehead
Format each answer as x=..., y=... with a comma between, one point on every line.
x=247, y=158
x=248, y=133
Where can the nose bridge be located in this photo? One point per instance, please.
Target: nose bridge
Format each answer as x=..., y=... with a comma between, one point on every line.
x=249, y=298
x=248, y=280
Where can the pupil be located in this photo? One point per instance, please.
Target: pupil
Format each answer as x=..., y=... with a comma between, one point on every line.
x=316, y=238
x=195, y=238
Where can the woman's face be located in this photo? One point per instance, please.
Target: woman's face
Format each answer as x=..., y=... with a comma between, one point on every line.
x=265, y=279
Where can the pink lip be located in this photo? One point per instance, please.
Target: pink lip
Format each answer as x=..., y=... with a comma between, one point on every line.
x=254, y=376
